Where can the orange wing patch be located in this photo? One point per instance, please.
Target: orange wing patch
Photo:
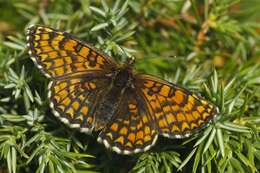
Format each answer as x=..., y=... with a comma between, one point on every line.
x=73, y=100
x=132, y=131
x=58, y=54
x=177, y=112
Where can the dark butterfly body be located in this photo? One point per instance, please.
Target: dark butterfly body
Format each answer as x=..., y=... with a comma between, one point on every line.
x=90, y=91
x=120, y=84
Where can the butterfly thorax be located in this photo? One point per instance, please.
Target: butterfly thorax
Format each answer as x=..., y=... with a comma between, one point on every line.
x=108, y=107
x=122, y=78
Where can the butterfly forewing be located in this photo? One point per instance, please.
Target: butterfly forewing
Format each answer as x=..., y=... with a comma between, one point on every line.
x=77, y=71
x=59, y=54
x=177, y=112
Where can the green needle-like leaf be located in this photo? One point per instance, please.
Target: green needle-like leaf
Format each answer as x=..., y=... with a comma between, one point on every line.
x=211, y=48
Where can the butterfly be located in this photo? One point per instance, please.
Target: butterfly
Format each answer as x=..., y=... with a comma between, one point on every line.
x=90, y=91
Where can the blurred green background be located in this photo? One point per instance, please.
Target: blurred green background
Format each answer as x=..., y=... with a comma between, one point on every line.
x=211, y=47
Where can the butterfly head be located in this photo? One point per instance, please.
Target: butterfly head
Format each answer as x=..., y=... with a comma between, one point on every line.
x=129, y=61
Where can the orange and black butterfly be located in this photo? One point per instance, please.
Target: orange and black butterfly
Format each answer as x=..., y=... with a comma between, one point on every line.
x=91, y=91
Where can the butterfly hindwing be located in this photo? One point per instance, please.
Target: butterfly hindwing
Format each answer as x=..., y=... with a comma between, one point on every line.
x=177, y=112
x=59, y=54
x=74, y=100
x=132, y=130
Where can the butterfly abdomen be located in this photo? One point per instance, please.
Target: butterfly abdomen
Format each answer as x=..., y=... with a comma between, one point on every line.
x=109, y=106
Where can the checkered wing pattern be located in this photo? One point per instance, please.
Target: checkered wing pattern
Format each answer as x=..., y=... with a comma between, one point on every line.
x=74, y=100
x=132, y=130
x=177, y=112
x=59, y=54
x=80, y=76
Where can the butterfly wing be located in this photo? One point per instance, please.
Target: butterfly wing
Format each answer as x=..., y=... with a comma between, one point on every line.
x=59, y=54
x=177, y=112
x=77, y=71
x=132, y=130
x=74, y=100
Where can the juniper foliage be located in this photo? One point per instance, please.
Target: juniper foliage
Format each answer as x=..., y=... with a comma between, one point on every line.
x=210, y=46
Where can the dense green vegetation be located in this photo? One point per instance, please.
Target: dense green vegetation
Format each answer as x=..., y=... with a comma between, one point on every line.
x=211, y=47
